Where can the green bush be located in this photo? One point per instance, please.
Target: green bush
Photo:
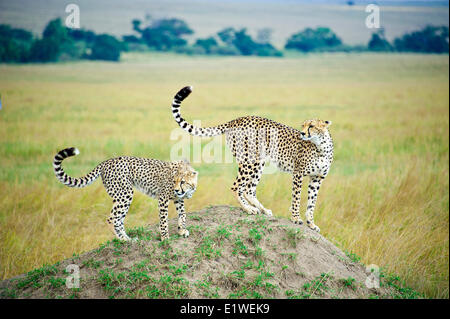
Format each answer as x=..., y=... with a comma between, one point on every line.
x=55, y=41
x=45, y=50
x=313, y=39
x=164, y=34
x=207, y=44
x=131, y=39
x=245, y=45
x=378, y=42
x=266, y=49
x=14, y=44
x=82, y=35
x=431, y=39
x=106, y=47
x=56, y=31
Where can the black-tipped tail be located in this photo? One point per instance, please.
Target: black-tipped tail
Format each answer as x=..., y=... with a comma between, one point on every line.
x=191, y=129
x=183, y=93
x=66, y=179
x=65, y=153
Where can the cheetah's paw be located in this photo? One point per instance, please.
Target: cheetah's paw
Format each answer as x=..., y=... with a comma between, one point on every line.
x=184, y=233
x=268, y=212
x=124, y=238
x=314, y=227
x=252, y=210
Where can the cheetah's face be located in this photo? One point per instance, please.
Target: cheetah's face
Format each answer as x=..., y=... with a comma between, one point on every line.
x=185, y=182
x=314, y=130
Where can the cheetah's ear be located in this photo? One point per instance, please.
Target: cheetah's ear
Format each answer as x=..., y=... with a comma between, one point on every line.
x=328, y=123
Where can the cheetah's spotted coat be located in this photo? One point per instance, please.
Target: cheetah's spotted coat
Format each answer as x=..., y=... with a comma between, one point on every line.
x=253, y=140
x=162, y=180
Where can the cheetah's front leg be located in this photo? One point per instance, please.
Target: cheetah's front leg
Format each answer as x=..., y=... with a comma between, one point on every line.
x=163, y=204
x=313, y=190
x=179, y=205
x=297, y=180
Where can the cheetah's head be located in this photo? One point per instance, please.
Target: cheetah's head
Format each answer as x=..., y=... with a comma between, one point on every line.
x=185, y=180
x=314, y=130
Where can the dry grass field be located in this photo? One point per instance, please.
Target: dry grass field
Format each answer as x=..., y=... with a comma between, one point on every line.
x=386, y=198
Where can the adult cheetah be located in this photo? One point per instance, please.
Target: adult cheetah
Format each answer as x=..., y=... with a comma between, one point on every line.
x=165, y=181
x=253, y=140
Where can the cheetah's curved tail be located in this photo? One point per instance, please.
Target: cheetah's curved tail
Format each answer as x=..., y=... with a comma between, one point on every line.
x=71, y=181
x=191, y=129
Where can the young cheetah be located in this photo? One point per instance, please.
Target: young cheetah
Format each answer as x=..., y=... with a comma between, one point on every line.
x=253, y=140
x=162, y=180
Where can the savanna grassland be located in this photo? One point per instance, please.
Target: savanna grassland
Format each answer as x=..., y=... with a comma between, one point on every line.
x=386, y=198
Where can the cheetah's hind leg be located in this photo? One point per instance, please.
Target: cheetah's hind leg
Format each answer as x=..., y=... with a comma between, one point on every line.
x=250, y=195
x=240, y=188
x=313, y=190
x=121, y=204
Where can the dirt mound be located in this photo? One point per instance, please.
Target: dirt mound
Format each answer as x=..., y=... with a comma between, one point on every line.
x=229, y=254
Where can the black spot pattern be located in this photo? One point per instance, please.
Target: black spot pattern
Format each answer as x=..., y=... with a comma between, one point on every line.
x=253, y=140
x=121, y=175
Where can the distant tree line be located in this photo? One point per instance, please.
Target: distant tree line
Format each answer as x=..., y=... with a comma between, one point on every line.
x=59, y=43
x=168, y=35
x=431, y=39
